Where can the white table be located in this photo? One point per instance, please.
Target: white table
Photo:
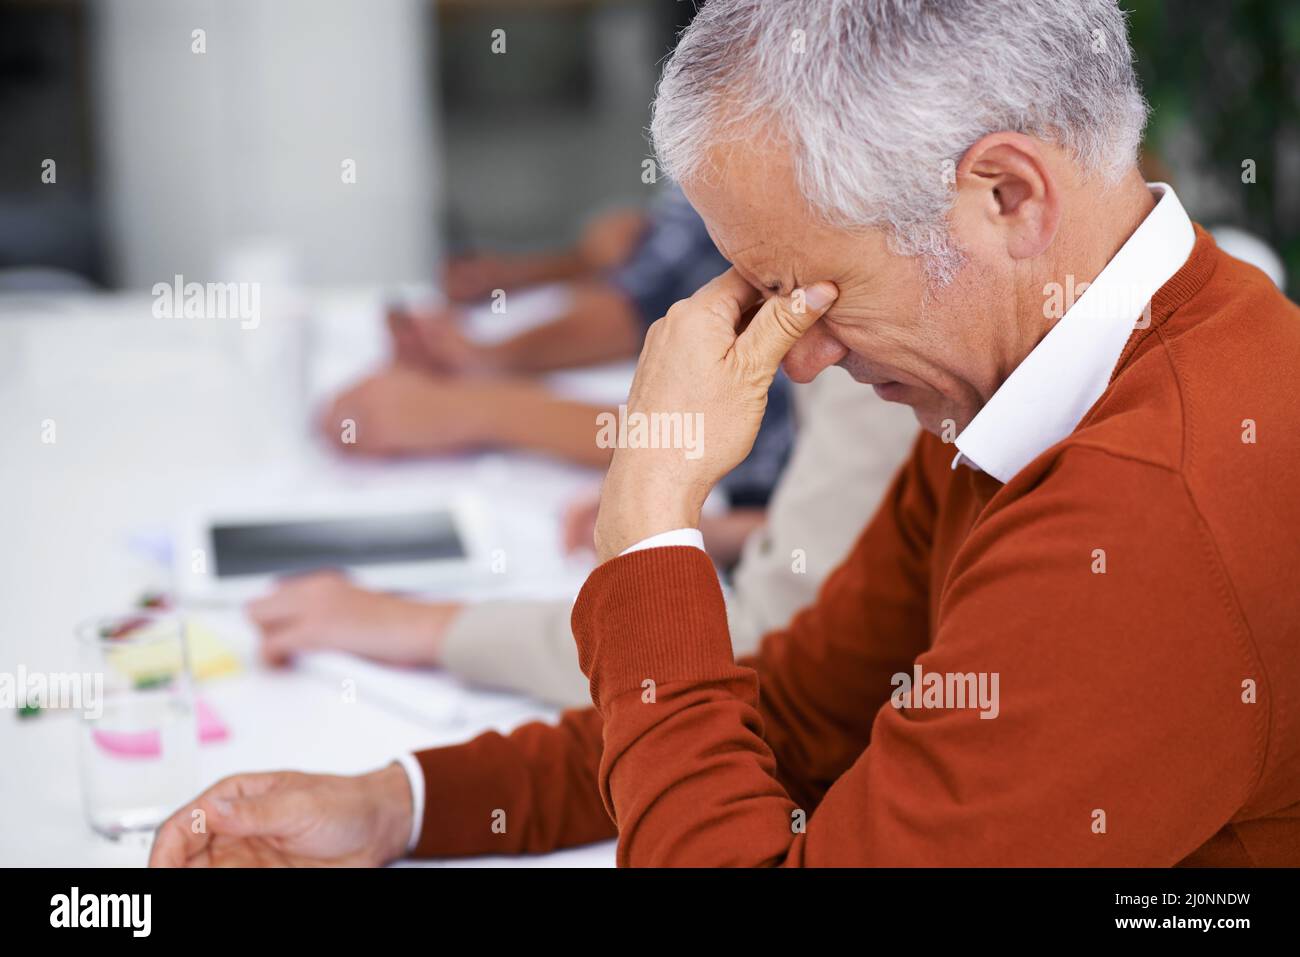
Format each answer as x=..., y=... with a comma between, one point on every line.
x=150, y=415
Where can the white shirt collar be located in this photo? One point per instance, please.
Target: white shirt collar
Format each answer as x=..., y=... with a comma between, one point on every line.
x=1048, y=394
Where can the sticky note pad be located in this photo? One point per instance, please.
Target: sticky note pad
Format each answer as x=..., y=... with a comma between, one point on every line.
x=148, y=664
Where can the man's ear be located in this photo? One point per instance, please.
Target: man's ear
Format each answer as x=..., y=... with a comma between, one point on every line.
x=1007, y=186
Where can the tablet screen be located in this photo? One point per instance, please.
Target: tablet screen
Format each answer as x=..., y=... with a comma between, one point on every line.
x=287, y=547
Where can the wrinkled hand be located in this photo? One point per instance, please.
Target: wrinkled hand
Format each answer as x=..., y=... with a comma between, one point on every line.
x=700, y=358
x=326, y=611
x=288, y=819
x=401, y=411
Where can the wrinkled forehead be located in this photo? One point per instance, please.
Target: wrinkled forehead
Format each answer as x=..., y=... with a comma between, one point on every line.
x=753, y=210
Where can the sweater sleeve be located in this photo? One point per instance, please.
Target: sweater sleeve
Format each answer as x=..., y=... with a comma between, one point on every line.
x=526, y=646
x=528, y=792
x=1079, y=756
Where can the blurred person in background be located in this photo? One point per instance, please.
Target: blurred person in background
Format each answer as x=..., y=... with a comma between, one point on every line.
x=444, y=393
x=631, y=267
x=607, y=240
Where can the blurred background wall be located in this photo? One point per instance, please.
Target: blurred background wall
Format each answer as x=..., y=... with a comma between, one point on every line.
x=174, y=161
x=170, y=160
x=201, y=154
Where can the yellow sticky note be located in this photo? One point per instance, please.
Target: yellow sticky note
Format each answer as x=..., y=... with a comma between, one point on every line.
x=209, y=657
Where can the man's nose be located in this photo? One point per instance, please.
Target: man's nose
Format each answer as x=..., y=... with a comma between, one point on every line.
x=815, y=350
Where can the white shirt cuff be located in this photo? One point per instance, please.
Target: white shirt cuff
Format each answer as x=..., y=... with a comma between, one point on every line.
x=677, y=536
x=414, y=777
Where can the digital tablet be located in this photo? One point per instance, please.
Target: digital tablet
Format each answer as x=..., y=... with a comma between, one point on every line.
x=398, y=546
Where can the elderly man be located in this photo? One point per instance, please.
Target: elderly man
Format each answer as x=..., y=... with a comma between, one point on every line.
x=1070, y=635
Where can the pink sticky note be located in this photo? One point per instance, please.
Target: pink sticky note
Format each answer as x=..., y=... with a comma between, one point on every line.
x=148, y=744
x=211, y=727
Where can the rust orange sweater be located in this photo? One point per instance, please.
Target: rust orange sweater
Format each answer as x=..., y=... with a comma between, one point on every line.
x=1136, y=589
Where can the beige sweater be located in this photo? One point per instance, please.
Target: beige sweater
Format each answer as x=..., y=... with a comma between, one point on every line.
x=849, y=445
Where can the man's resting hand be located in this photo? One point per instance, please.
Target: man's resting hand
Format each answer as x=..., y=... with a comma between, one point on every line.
x=288, y=819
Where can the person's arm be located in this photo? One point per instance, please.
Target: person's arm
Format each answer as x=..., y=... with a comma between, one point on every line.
x=607, y=240
x=528, y=792
x=324, y=610
x=600, y=325
x=473, y=276
x=1083, y=756
x=401, y=411
x=524, y=646
x=526, y=415
x=813, y=741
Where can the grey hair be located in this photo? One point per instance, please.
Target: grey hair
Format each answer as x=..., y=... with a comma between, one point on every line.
x=879, y=99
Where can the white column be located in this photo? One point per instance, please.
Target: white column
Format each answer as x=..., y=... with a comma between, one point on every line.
x=204, y=154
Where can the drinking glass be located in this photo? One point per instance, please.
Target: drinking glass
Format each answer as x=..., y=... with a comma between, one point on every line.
x=139, y=740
